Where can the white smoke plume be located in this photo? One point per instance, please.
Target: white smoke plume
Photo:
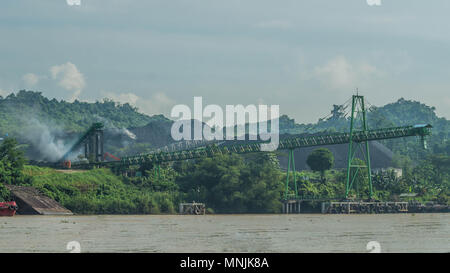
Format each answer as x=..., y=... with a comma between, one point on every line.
x=114, y=129
x=43, y=138
x=128, y=133
x=52, y=142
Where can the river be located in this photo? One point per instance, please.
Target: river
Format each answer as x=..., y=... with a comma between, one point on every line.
x=227, y=233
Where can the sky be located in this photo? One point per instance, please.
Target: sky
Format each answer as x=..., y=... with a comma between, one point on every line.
x=302, y=55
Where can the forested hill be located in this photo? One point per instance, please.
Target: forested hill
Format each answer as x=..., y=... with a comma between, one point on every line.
x=400, y=113
x=408, y=111
x=17, y=109
x=78, y=116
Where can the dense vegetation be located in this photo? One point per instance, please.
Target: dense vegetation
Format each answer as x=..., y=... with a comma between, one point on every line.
x=400, y=113
x=430, y=178
x=231, y=185
x=99, y=191
x=16, y=111
x=227, y=184
x=70, y=117
x=11, y=166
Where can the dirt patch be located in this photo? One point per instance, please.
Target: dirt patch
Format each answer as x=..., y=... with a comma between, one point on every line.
x=70, y=171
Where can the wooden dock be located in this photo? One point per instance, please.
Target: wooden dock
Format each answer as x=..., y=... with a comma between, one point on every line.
x=30, y=201
x=291, y=206
x=361, y=207
x=193, y=208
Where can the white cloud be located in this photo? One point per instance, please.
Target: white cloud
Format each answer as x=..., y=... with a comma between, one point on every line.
x=69, y=77
x=373, y=2
x=4, y=93
x=274, y=24
x=73, y=2
x=158, y=103
x=341, y=73
x=30, y=79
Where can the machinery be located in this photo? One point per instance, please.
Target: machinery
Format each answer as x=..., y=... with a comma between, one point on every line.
x=359, y=135
x=93, y=144
x=110, y=156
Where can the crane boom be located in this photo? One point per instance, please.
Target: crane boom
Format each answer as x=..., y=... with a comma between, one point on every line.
x=82, y=139
x=285, y=144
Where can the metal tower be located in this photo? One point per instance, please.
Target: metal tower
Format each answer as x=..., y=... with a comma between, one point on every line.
x=358, y=125
x=93, y=144
x=291, y=159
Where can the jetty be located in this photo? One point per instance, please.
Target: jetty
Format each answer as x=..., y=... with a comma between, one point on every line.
x=32, y=202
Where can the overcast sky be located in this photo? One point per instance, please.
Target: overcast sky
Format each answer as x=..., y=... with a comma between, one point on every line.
x=303, y=55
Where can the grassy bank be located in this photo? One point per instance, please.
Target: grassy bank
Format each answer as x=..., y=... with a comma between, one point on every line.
x=99, y=191
x=226, y=183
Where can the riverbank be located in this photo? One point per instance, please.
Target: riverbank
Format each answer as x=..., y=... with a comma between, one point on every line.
x=100, y=191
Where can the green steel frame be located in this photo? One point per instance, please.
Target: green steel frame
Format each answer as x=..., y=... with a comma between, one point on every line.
x=157, y=171
x=95, y=128
x=285, y=144
x=358, y=136
x=291, y=159
x=358, y=114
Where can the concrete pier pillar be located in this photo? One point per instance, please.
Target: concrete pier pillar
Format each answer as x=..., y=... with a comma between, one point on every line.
x=291, y=207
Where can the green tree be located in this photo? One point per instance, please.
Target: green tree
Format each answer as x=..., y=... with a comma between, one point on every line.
x=11, y=162
x=431, y=177
x=403, y=162
x=4, y=193
x=229, y=184
x=320, y=160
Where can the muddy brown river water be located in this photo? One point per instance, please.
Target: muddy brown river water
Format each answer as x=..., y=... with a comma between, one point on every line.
x=227, y=233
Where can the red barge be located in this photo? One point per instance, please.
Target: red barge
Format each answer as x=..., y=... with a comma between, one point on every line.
x=8, y=208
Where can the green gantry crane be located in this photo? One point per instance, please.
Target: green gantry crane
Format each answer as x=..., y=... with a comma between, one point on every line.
x=359, y=135
x=93, y=143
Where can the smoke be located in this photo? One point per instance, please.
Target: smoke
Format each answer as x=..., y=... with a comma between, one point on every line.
x=128, y=133
x=43, y=138
x=114, y=129
x=50, y=140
